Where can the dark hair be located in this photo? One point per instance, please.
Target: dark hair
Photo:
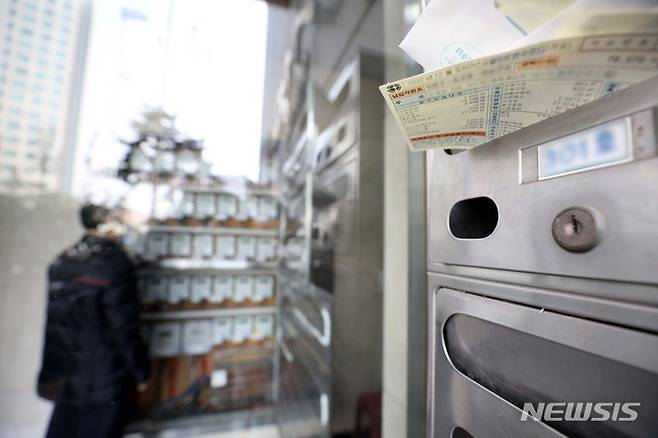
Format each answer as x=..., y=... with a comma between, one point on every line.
x=92, y=216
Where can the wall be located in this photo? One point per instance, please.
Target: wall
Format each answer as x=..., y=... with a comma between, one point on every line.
x=357, y=26
x=33, y=230
x=405, y=291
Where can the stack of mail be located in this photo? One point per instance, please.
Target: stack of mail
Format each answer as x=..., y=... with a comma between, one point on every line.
x=487, y=75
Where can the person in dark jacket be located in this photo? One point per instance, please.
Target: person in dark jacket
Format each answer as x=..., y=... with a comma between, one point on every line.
x=93, y=355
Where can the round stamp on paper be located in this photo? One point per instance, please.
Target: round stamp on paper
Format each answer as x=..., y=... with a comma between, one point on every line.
x=458, y=52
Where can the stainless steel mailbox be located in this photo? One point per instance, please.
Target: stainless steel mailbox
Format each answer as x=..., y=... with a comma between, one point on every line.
x=543, y=279
x=491, y=356
x=495, y=206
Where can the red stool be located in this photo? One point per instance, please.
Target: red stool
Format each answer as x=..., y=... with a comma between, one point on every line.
x=368, y=422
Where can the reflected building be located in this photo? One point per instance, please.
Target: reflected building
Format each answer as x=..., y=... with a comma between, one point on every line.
x=42, y=46
x=119, y=83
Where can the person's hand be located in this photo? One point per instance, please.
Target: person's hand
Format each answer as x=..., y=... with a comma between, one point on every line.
x=142, y=386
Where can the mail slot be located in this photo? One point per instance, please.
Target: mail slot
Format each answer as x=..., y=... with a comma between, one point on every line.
x=574, y=195
x=474, y=218
x=491, y=359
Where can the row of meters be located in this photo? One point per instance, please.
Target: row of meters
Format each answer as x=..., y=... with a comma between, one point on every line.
x=201, y=336
x=225, y=206
x=159, y=245
x=209, y=290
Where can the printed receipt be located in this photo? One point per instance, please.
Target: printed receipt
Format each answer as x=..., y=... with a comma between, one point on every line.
x=468, y=104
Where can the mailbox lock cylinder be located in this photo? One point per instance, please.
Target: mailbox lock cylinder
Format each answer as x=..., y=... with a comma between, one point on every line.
x=575, y=229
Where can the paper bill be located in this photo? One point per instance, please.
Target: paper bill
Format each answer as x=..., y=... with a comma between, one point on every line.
x=471, y=103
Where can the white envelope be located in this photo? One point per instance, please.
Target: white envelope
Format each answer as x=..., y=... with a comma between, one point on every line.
x=449, y=32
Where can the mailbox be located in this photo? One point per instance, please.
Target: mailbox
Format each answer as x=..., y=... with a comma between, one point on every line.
x=542, y=277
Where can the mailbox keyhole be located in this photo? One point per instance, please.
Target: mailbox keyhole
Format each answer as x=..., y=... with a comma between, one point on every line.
x=574, y=227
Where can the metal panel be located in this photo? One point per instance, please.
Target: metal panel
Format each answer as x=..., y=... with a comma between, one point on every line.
x=337, y=267
x=354, y=109
x=347, y=240
x=305, y=362
x=622, y=197
x=593, y=299
x=491, y=219
x=479, y=394
x=334, y=289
